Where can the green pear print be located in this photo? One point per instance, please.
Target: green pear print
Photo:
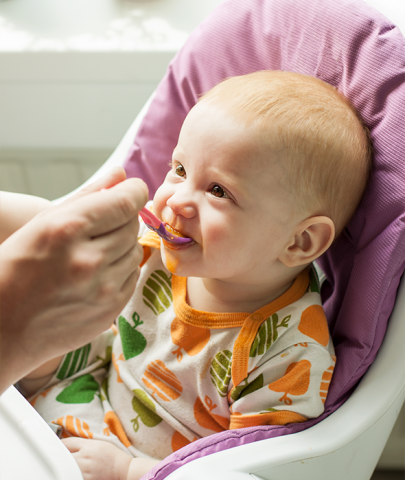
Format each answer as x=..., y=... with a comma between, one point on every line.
x=246, y=388
x=107, y=359
x=145, y=409
x=314, y=285
x=253, y=386
x=220, y=371
x=157, y=292
x=133, y=342
x=104, y=389
x=81, y=390
x=267, y=334
x=73, y=362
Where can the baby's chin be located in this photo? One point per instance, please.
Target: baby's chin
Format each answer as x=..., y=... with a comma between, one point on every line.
x=172, y=261
x=179, y=266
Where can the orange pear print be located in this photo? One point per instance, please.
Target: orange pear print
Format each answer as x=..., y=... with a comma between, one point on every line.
x=74, y=427
x=313, y=324
x=114, y=361
x=188, y=338
x=326, y=379
x=162, y=381
x=115, y=427
x=42, y=394
x=295, y=381
x=180, y=441
x=206, y=419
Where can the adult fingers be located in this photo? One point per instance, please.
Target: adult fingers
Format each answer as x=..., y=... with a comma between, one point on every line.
x=107, y=210
x=127, y=289
x=110, y=289
x=113, y=245
x=124, y=267
x=116, y=206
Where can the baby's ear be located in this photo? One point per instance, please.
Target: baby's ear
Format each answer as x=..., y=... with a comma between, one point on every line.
x=313, y=236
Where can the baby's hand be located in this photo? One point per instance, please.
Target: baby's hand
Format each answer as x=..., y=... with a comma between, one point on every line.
x=98, y=460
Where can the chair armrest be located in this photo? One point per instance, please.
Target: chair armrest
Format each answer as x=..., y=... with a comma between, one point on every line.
x=28, y=446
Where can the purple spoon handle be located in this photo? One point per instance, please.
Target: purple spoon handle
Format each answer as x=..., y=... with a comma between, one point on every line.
x=152, y=222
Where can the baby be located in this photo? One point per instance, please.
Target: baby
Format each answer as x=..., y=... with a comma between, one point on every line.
x=228, y=331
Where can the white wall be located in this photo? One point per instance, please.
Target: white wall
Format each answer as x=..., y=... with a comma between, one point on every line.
x=73, y=76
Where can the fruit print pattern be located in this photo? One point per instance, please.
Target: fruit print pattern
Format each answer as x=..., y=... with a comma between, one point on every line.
x=114, y=426
x=162, y=381
x=40, y=395
x=145, y=409
x=295, y=381
x=314, y=285
x=156, y=393
x=157, y=292
x=326, y=379
x=221, y=370
x=81, y=390
x=188, y=338
x=180, y=441
x=116, y=367
x=104, y=389
x=133, y=342
x=245, y=388
x=313, y=324
x=206, y=419
x=107, y=357
x=73, y=427
x=267, y=334
x=73, y=362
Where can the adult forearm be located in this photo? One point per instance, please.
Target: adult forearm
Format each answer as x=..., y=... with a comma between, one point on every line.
x=66, y=274
x=17, y=209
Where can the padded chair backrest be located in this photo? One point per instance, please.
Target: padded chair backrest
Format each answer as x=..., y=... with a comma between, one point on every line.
x=351, y=46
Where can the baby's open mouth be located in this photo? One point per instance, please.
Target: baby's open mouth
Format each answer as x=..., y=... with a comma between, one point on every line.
x=174, y=243
x=174, y=231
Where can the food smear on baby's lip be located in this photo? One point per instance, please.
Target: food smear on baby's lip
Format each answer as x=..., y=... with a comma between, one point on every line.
x=172, y=239
x=173, y=231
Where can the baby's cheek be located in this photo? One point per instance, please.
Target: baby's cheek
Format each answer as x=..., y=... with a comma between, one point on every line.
x=219, y=230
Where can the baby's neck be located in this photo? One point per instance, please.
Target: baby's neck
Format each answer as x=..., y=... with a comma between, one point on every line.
x=212, y=295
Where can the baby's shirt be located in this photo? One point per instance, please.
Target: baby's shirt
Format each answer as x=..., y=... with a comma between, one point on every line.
x=178, y=374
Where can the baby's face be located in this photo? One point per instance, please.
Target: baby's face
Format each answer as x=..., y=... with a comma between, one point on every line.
x=226, y=193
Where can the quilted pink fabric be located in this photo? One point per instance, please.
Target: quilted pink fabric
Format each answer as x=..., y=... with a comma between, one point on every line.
x=353, y=47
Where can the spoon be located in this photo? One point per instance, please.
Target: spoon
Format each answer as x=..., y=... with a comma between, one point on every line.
x=152, y=222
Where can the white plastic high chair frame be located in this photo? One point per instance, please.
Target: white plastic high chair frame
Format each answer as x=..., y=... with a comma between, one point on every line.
x=346, y=445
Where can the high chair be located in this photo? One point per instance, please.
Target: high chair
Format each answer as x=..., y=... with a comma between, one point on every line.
x=349, y=44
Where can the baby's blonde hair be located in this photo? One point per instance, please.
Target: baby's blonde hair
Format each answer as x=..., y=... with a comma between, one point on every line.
x=320, y=137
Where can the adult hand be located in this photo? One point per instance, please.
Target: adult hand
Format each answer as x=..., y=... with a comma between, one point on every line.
x=66, y=274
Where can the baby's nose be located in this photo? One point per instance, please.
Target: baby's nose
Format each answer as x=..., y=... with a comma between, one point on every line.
x=181, y=206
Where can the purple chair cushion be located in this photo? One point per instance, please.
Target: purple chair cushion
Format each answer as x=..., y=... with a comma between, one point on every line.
x=350, y=45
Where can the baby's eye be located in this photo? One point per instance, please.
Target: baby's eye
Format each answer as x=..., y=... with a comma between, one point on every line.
x=180, y=170
x=219, y=192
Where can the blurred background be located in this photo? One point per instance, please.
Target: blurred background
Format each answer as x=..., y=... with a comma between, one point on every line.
x=73, y=76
